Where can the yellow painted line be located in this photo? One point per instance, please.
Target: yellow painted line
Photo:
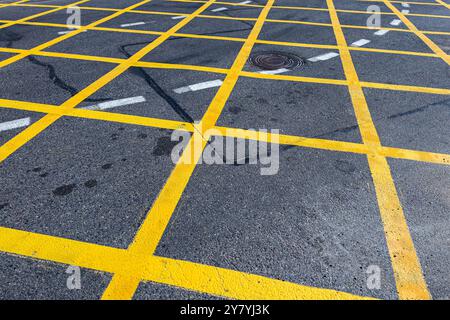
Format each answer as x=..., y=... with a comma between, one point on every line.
x=30, y=132
x=333, y=145
x=308, y=8
x=442, y=3
x=401, y=52
x=415, y=155
x=405, y=263
x=399, y=87
x=410, y=2
x=42, y=14
x=66, y=36
x=13, y=3
x=152, y=229
x=293, y=78
x=324, y=144
x=418, y=33
x=235, y=284
x=206, y=279
x=373, y=85
x=222, y=38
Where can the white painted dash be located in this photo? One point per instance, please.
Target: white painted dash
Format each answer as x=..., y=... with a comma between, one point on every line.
x=116, y=103
x=395, y=22
x=219, y=9
x=324, y=57
x=199, y=86
x=360, y=43
x=14, y=124
x=405, y=5
x=405, y=11
x=69, y=31
x=381, y=32
x=178, y=17
x=244, y=2
x=132, y=24
x=277, y=71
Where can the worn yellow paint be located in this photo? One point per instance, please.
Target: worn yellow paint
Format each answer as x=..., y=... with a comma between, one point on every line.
x=405, y=263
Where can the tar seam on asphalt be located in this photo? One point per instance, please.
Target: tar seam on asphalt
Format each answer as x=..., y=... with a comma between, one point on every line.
x=10, y=37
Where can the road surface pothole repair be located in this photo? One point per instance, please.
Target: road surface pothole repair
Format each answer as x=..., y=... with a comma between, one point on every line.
x=273, y=60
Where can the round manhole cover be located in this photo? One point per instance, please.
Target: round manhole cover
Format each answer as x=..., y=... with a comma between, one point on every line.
x=272, y=60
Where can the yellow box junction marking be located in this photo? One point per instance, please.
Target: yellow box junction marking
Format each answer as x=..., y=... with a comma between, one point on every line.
x=405, y=263
x=204, y=278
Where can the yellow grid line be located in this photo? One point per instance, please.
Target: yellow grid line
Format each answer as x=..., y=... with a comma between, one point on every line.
x=234, y=4
x=333, y=145
x=405, y=263
x=268, y=20
x=226, y=38
x=181, y=265
x=442, y=3
x=123, y=285
x=41, y=14
x=436, y=49
x=410, y=2
x=207, y=279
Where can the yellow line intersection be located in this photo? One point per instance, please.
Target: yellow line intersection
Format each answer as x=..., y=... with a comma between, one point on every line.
x=138, y=263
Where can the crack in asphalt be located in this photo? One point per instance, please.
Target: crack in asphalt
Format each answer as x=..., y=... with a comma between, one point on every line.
x=10, y=37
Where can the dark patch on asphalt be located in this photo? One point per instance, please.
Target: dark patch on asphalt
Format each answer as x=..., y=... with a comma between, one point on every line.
x=235, y=110
x=107, y=166
x=345, y=166
x=43, y=175
x=9, y=37
x=164, y=146
x=90, y=183
x=4, y=205
x=64, y=190
x=142, y=135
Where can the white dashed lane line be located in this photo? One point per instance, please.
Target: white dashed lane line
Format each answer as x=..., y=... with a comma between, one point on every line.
x=381, y=32
x=244, y=2
x=116, y=103
x=395, y=22
x=69, y=31
x=405, y=11
x=219, y=9
x=405, y=5
x=277, y=71
x=178, y=17
x=14, y=124
x=199, y=86
x=360, y=43
x=132, y=24
x=324, y=57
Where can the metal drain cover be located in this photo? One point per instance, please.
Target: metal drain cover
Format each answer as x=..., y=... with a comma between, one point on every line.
x=273, y=60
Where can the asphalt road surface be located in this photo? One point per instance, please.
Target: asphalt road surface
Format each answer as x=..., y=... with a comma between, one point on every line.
x=351, y=95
